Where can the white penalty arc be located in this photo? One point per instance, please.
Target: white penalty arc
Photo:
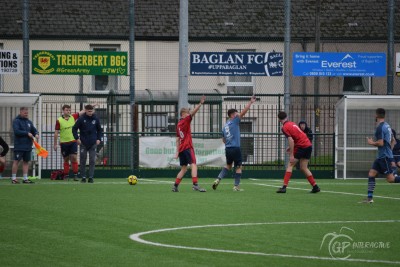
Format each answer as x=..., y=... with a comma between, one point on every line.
x=138, y=238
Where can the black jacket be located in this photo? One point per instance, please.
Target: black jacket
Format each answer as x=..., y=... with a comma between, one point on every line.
x=23, y=126
x=307, y=131
x=5, y=147
x=89, y=130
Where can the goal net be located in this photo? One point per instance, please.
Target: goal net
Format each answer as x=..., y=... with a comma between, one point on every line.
x=354, y=122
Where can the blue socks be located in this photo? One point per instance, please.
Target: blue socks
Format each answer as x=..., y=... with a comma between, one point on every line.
x=371, y=186
x=223, y=173
x=237, y=177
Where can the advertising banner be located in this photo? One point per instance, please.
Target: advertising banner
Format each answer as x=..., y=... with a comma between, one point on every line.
x=9, y=62
x=79, y=62
x=339, y=64
x=159, y=152
x=236, y=64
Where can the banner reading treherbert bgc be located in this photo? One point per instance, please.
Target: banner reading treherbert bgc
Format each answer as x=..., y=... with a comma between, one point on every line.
x=236, y=64
x=79, y=62
x=9, y=62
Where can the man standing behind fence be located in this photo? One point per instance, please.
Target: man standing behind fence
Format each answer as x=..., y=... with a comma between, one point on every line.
x=300, y=149
x=231, y=138
x=24, y=132
x=90, y=135
x=68, y=145
x=184, y=147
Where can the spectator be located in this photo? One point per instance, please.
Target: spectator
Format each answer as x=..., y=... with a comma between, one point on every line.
x=24, y=132
x=89, y=137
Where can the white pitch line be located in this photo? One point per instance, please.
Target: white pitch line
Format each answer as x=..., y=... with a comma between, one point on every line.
x=137, y=237
x=332, y=192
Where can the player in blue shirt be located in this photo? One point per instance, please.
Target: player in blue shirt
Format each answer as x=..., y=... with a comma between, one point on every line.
x=231, y=138
x=396, y=151
x=384, y=162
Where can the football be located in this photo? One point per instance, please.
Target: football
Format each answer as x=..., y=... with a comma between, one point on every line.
x=132, y=180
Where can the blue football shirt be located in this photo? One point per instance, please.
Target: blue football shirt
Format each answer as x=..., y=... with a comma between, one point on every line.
x=384, y=132
x=231, y=132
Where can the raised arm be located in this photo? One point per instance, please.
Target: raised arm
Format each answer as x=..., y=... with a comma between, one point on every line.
x=194, y=111
x=247, y=107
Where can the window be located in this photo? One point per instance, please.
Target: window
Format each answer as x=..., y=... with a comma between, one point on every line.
x=357, y=85
x=240, y=84
x=104, y=83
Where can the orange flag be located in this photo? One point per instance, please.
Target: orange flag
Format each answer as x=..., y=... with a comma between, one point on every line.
x=40, y=151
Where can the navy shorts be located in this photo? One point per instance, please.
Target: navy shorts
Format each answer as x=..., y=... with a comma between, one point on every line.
x=303, y=153
x=233, y=155
x=23, y=155
x=396, y=158
x=187, y=157
x=69, y=148
x=383, y=165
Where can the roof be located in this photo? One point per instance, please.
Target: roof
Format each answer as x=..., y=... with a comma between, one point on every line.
x=208, y=19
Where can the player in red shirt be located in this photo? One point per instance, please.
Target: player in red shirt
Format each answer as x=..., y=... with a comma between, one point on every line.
x=184, y=147
x=299, y=149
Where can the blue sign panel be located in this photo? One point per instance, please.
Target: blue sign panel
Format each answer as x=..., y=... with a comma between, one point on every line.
x=236, y=64
x=339, y=64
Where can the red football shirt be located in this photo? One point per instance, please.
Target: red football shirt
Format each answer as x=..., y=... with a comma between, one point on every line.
x=184, y=133
x=291, y=129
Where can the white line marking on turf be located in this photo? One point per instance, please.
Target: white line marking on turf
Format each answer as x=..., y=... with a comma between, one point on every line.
x=137, y=237
x=332, y=192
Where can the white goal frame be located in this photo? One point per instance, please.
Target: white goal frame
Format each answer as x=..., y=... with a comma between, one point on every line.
x=342, y=120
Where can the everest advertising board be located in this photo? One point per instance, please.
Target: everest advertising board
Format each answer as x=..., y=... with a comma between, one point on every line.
x=339, y=64
x=9, y=61
x=398, y=64
x=236, y=64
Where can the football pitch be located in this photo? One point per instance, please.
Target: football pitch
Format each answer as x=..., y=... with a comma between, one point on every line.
x=111, y=223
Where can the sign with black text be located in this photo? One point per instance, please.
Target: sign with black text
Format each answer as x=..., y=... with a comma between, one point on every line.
x=236, y=64
x=9, y=62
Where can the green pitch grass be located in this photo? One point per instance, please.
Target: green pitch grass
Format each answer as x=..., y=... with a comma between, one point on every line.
x=57, y=223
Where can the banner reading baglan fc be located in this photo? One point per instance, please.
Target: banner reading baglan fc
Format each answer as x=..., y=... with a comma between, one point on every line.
x=236, y=64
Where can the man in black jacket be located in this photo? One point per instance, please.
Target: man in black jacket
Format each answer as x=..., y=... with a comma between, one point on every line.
x=304, y=127
x=24, y=132
x=90, y=135
x=3, y=154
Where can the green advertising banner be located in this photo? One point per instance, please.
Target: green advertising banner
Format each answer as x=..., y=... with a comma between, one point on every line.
x=48, y=62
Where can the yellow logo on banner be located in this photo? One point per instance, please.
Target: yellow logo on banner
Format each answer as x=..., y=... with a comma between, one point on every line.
x=44, y=62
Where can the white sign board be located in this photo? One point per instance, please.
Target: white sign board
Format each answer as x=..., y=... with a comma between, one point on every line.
x=9, y=62
x=159, y=152
x=398, y=64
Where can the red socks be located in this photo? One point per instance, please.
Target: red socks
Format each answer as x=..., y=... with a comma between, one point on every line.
x=311, y=180
x=195, y=180
x=287, y=178
x=177, y=181
x=66, y=168
x=1, y=168
x=75, y=167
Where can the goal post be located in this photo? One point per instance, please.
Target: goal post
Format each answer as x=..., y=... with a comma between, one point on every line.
x=354, y=122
